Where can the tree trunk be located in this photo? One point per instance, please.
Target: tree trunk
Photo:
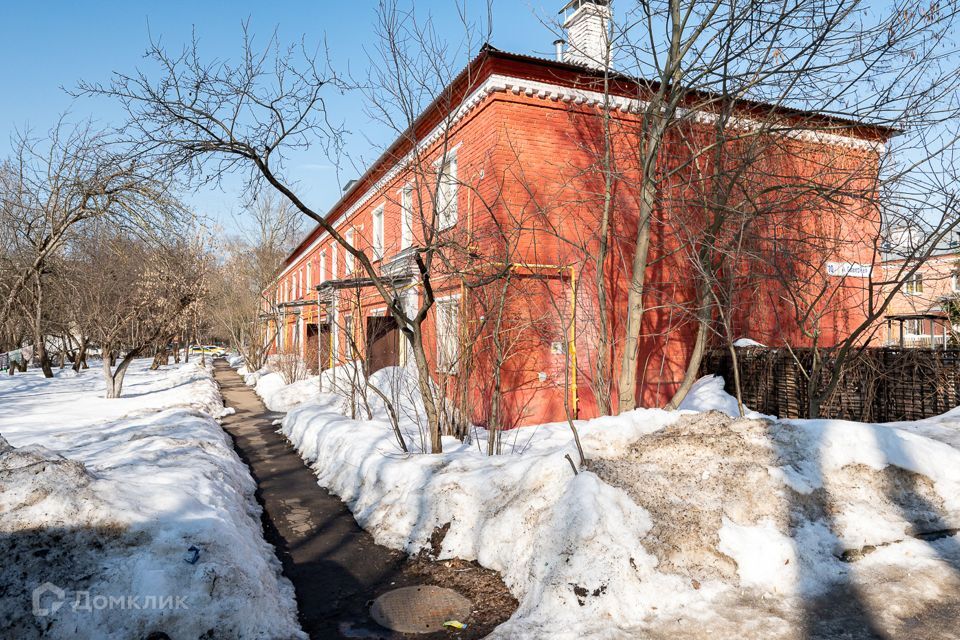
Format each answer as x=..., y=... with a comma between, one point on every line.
x=114, y=378
x=738, y=389
x=81, y=358
x=44, y=358
x=426, y=391
x=627, y=380
x=603, y=370
x=159, y=358
x=704, y=316
x=38, y=337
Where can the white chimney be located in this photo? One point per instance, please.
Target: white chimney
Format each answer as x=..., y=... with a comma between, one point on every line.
x=587, y=23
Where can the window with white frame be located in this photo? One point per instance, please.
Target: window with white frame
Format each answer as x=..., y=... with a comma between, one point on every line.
x=334, y=267
x=447, y=190
x=333, y=314
x=447, y=312
x=406, y=216
x=347, y=256
x=410, y=302
x=955, y=282
x=914, y=284
x=322, y=271
x=309, y=276
x=348, y=335
x=378, y=233
x=300, y=284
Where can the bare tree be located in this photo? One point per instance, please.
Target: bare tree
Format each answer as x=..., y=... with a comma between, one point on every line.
x=136, y=291
x=218, y=117
x=239, y=296
x=818, y=55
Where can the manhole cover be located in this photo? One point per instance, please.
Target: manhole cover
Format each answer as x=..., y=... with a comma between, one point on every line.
x=421, y=609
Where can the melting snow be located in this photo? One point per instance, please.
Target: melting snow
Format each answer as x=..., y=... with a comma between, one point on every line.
x=108, y=497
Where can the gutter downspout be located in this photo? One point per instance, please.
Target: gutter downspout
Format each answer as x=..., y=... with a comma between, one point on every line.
x=572, y=345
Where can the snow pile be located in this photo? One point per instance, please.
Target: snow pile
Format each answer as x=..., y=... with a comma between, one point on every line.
x=744, y=343
x=137, y=510
x=707, y=394
x=555, y=537
x=778, y=504
x=347, y=381
x=684, y=524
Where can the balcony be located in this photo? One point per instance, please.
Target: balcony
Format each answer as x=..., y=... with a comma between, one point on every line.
x=400, y=265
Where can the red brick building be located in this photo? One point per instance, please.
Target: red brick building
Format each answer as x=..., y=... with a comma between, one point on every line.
x=506, y=160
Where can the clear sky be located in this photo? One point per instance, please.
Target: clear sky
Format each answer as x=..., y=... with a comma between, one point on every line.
x=48, y=46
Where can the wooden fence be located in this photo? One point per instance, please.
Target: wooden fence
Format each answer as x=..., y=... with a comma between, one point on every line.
x=877, y=385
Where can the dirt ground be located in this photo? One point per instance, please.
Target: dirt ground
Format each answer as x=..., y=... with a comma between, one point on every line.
x=706, y=469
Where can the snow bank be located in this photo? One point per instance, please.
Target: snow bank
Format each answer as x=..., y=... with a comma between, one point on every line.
x=279, y=396
x=707, y=394
x=555, y=537
x=138, y=507
x=685, y=524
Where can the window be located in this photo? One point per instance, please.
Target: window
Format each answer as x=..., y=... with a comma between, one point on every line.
x=447, y=194
x=955, y=282
x=378, y=233
x=347, y=256
x=410, y=307
x=300, y=284
x=322, y=271
x=333, y=262
x=309, y=276
x=406, y=217
x=334, y=314
x=448, y=334
x=914, y=285
x=348, y=334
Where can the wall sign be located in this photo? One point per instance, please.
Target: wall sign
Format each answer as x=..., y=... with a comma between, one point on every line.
x=849, y=270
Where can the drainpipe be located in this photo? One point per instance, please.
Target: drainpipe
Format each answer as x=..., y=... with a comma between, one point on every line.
x=572, y=345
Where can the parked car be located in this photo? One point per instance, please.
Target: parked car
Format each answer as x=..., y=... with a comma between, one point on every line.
x=210, y=350
x=218, y=352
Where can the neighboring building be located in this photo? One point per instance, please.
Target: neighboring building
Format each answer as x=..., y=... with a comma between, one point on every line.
x=918, y=314
x=514, y=145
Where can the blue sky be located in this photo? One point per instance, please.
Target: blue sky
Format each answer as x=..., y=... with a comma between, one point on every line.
x=51, y=45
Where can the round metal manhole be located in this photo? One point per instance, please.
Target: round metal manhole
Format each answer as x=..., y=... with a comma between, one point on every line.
x=421, y=609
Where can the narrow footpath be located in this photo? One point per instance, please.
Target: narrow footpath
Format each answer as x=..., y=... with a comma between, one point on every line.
x=335, y=566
